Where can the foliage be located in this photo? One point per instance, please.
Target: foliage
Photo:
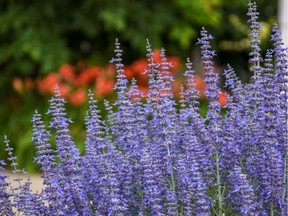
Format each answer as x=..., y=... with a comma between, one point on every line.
x=232, y=36
x=37, y=37
x=40, y=36
x=148, y=158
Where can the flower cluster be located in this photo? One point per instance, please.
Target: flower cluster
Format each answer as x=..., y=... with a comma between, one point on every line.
x=73, y=81
x=150, y=158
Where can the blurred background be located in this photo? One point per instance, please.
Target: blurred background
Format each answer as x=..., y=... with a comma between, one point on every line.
x=70, y=43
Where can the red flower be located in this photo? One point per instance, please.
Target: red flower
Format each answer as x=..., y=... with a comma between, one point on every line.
x=176, y=88
x=88, y=75
x=200, y=85
x=17, y=84
x=175, y=63
x=157, y=55
x=77, y=98
x=48, y=83
x=64, y=89
x=222, y=98
x=67, y=73
x=103, y=87
x=128, y=72
x=144, y=90
x=139, y=66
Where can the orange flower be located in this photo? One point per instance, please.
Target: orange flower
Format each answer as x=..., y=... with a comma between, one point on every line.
x=139, y=66
x=128, y=72
x=103, y=87
x=142, y=79
x=176, y=88
x=17, y=84
x=48, y=83
x=174, y=60
x=144, y=90
x=67, y=72
x=222, y=98
x=88, y=75
x=64, y=89
x=109, y=71
x=200, y=85
x=78, y=97
x=175, y=63
x=157, y=55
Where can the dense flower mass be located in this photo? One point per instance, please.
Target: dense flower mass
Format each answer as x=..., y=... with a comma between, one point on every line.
x=149, y=157
x=75, y=81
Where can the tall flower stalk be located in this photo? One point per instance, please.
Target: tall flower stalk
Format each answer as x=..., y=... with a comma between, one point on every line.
x=213, y=114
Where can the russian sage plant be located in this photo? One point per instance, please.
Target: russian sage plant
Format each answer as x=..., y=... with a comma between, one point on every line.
x=150, y=158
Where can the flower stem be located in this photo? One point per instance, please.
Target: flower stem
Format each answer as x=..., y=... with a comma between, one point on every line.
x=285, y=179
x=218, y=183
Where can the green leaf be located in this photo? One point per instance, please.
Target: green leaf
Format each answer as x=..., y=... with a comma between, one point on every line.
x=183, y=33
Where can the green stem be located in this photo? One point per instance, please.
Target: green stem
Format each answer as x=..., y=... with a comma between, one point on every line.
x=285, y=178
x=173, y=185
x=218, y=183
x=271, y=209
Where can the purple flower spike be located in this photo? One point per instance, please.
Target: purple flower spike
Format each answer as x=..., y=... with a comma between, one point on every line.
x=242, y=194
x=207, y=56
x=255, y=42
